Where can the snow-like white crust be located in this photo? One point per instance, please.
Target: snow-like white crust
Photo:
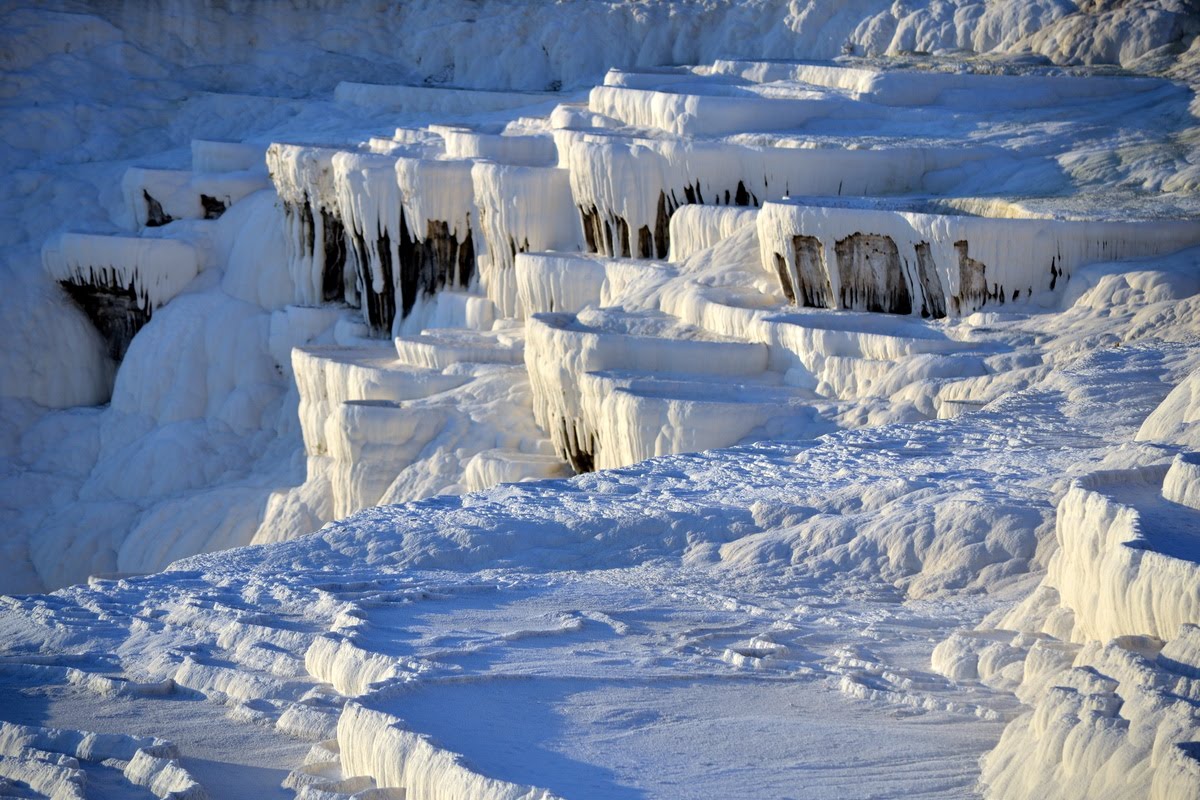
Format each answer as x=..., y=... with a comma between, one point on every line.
x=724, y=111
x=641, y=181
x=493, y=467
x=372, y=417
x=438, y=190
x=442, y=348
x=382, y=324
x=526, y=150
x=47, y=761
x=635, y=416
x=371, y=211
x=302, y=173
x=328, y=377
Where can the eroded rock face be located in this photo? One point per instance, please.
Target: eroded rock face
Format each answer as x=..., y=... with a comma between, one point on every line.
x=448, y=260
x=333, y=245
x=379, y=307
x=213, y=207
x=902, y=273
x=814, y=290
x=662, y=227
x=973, y=290
x=422, y=268
x=155, y=216
x=939, y=264
x=610, y=234
x=785, y=280
x=116, y=311
x=870, y=275
x=873, y=276
x=597, y=232
x=332, y=283
x=514, y=248
x=433, y=263
x=579, y=450
x=933, y=296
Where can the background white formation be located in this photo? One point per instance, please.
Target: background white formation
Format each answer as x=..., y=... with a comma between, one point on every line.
x=930, y=271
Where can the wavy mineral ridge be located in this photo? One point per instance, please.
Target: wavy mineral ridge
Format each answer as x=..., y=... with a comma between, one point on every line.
x=645, y=400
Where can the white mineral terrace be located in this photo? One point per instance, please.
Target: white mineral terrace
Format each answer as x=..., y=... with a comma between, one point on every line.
x=942, y=88
x=433, y=98
x=901, y=262
x=153, y=270
x=158, y=196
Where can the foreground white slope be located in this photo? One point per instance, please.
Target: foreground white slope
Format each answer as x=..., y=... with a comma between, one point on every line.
x=614, y=621
x=424, y=206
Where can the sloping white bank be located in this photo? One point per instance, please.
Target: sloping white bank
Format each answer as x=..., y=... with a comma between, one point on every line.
x=441, y=412
x=47, y=761
x=1107, y=651
x=1120, y=722
x=379, y=746
x=1127, y=562
x=1174, y=421
x=420, y=221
